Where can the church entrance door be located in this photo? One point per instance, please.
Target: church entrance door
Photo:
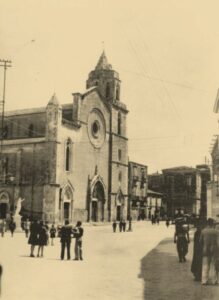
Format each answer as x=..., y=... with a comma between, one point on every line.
x=66, y=204
x=4, y=205
x=3, y=210
x=94, y=211
x=98, y=200
x=118, y=213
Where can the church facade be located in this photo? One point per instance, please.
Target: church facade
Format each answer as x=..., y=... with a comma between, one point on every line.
x=69, y=161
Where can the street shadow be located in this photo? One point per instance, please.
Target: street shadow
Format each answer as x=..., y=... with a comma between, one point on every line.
x=26, y=256
x=167, y=279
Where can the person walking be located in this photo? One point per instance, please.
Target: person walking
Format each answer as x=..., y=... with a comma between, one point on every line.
x=3, y=227
x=78, y=233
x=65, y=234
x=196, y=266
x=167, y=222
x=210, y=249
x=42, y=238
x=130, y=224
x=33, y=238
x=26, y=227
x=12, y=226
x=120, y=225
x=181, y=238
x=123, y=225
x=114, y=225
x=52, y=234
x=1, y=271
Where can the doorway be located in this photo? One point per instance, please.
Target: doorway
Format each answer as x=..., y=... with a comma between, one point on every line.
x=3, y=210
x=97, y=205
x=66, y=210
x=118, y=213
x=94, y=211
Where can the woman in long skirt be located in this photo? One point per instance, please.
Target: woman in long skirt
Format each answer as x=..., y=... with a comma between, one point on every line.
x=43, y=239
x=33, y=238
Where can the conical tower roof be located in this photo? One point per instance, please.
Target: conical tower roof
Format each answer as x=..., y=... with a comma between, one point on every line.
x=103, y=63
x=53, y=100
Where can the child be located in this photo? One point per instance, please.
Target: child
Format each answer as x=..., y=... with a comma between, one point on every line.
x=52, y=234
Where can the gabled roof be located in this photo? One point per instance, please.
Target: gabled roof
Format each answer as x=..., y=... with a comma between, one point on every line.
x=103, y=63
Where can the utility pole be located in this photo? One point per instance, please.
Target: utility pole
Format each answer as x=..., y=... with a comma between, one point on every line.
x=5, y=64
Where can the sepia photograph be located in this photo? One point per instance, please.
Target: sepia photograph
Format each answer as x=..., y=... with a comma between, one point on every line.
x=109, y=150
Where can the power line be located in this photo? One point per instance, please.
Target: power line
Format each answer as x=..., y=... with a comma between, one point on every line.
x=182, y=85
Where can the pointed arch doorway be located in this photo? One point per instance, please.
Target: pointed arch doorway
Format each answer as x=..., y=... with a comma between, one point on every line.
x=66, y=204
x=4, y=205
x=97, y=203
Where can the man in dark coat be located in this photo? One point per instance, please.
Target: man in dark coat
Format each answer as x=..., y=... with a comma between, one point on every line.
x=196, y=267
x=181, y=238
x=1, y=270
x=78, y=233
x=65, y=235
x=12, y=226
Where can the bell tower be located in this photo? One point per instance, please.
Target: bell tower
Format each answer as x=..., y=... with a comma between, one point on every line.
x=108, y=83
x=106, y=79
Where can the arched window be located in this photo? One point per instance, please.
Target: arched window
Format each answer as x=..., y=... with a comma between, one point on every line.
x=30, y=130
x=107, y=90
x=68, y=155
x=119, y=123
x=117, y=93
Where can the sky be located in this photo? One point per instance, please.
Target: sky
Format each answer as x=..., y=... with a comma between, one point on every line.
x=166, y=53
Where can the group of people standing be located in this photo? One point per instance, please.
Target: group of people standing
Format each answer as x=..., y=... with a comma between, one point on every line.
x=121, y=224
x=40, y=233
x=205, y=262
x=67, y=233
x=155, y=220
x=11, y=225
x=38, y=237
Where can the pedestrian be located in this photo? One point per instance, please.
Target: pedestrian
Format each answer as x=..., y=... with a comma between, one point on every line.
x=130, y=224
x=123, y=225
x=42, y=238
x=12, y=226
x=1, y=271
x=33, y=238
x=26, y=227
x=114, y=225
x=120, y=225
x=210, y=249
x=78, y=233
x=158, y=220
x=65, y=234
x=52, y=234
x=3, y=227
x=167, y=222
x=181, y=238
x=196, y=267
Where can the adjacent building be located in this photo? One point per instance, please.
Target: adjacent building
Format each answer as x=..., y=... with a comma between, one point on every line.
x=213, y=185
x=182, y=188
x=137, y=190
x=69, y=161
